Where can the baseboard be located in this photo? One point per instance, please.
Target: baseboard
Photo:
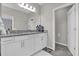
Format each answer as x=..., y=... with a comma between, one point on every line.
x=50, y=47
x=57, y=43
x=70, y=51
x=61, y=43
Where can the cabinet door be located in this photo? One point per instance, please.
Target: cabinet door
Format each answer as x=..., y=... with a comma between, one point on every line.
x=38, y=43
x=20, y=49
x=14, y=49
x=44, y=40
x=8, y=46
x=10, y=49
x=3, y=50
x=29, y=45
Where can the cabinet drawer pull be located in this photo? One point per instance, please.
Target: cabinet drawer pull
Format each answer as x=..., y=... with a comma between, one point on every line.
x=22, y=43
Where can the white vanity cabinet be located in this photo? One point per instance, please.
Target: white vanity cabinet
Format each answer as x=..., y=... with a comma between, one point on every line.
x=12, y=49
x=12, y=46
x=24, y=45
x=29, y=45
x=44, y=39
x=40, y=41
x=8, y=46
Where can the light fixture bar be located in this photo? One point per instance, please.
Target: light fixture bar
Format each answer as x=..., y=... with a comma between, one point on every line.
x=26, y=6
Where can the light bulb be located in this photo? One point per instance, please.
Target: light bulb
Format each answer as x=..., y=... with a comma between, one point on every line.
x=27, y=5
x=22, y=3
x=34, y=9
x=31, y=7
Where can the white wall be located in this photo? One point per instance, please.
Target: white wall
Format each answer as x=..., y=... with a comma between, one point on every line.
x=61, y=25
x=0, y=40
x=20, y=18
x=33, y=23
x=36, y=18
x=46, y=19
x=78, y=29
x=0, y=9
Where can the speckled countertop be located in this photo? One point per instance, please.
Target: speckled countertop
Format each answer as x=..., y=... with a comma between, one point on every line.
x=20, y=33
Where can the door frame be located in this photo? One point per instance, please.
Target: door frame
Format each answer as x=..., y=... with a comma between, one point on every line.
x=53, y=25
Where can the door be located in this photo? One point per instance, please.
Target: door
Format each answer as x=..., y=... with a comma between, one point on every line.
x=38, y=42
x=10, y=49
x=22, y=45
x=72, y=29
x=53, y=31
x=14, y=49
x=20, y=51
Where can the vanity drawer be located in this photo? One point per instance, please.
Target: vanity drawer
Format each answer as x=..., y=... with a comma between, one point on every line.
x=7, y=39
x=18, y=38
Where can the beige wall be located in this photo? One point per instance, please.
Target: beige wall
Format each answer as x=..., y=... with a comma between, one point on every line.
x=61, y=25
x=20, y=18
x=46, y=19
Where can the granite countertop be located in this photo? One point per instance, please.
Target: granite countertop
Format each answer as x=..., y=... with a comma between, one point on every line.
x=20, y=33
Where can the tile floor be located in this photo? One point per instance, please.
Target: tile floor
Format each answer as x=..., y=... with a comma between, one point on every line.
x=60, y=51
x=42, y=53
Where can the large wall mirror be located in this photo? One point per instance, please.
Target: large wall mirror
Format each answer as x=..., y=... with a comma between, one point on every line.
x=20, y=16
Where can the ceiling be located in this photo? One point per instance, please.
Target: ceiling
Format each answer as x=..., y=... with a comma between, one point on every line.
x=16, y=7
x=41, y=4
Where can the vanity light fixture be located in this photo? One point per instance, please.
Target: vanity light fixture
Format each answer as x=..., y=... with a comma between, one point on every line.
x=27, y=6
x=31, y=7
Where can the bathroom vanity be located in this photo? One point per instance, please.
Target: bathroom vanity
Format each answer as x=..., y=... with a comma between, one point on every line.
x=22, y=44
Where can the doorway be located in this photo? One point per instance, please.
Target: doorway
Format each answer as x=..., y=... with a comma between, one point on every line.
x=63, y=29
